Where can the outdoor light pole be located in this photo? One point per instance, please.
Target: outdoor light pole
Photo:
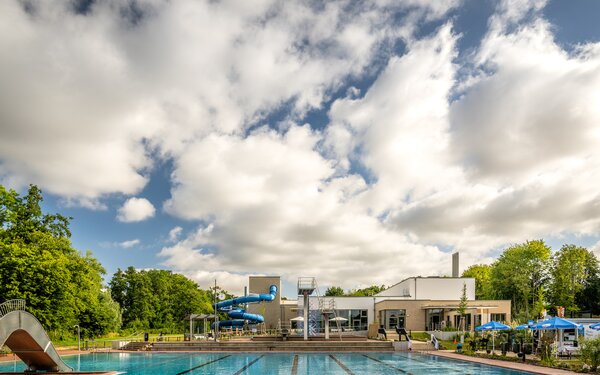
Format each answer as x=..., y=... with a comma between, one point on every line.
x=78, y=337
x=216, y=314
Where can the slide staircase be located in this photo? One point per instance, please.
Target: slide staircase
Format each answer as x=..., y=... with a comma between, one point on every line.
x=238, y=315
x=24, y=335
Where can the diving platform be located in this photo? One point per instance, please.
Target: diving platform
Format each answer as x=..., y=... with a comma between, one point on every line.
x=24, y=335
x=306, y=286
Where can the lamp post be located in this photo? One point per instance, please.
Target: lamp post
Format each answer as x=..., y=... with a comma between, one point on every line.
x=216, y=314
x=78, y=337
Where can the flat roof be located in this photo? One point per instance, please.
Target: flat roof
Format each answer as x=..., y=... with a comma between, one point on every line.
x=428, y=307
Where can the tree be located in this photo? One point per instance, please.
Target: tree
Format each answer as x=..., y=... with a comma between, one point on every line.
x=462, y=307
x=367, y=292
x=157, y=299
x=21, y=217
x=518, y=274
x=334, y=291
x=589, y=298
x=38, y=264
x=574, y=268
x=482, y=273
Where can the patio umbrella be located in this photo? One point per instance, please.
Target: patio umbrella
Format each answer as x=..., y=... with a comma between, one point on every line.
x=492, y=326
x=557, y=324
x=522, y=327
x=297, y=319
x=595, y=326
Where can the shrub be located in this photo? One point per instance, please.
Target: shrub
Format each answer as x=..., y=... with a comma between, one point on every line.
x=545, y=350
x=590, y=352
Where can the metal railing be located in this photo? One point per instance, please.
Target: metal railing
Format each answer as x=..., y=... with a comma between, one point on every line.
x=12, y=305
x=306, y=283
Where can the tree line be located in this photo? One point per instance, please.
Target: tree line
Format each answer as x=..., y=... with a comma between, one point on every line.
x=537, y=281
x=64, y=288
x=336, y=291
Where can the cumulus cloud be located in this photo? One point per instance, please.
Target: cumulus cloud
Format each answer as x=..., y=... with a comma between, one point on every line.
x=98, y=92
x=129, y=244
x=175, y=233
x=423, y=159
x=524, y=134
x=135, y=209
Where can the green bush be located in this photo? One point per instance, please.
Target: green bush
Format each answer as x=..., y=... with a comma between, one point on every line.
x=590, y=352
x=545, y=351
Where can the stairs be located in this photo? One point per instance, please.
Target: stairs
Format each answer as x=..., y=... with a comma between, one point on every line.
x=280, y=346
x=136, y=346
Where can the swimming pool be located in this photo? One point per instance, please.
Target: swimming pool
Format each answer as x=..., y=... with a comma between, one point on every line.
x=272, y=363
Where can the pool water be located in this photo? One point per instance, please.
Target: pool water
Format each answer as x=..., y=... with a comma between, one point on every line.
x=271, y=363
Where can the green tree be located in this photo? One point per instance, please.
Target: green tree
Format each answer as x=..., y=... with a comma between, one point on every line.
x=589, y=298
x=574, y=268
x=38, y=264
x=462, y=308
x=22, y=217
x=367, y=292
x=334, y=291
x=518, y=274
x=482, y=273
x=157, y=299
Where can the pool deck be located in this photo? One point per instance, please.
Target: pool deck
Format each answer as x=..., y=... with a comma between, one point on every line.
x=499, y=363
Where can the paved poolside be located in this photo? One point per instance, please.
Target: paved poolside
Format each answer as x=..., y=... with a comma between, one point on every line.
x=500, y=363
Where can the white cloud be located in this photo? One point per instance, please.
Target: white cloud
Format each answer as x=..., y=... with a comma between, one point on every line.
x=87, y=97
x=175, y=233
x=135, y=209
x=425, y=159
x=129, y=244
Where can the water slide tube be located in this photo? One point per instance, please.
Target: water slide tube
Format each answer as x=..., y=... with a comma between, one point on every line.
x=237, y=314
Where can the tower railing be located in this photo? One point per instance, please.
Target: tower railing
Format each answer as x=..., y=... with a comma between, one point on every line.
x=306, y=284
x=11, y=305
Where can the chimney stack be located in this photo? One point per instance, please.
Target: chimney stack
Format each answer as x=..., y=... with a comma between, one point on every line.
x=455, y=265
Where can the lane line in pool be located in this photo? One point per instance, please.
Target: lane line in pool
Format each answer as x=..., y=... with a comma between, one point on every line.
x=202, y=365
x=248, y=365
x=387, y=364
x=429, y=363
x=343, y=366
x=295, y=365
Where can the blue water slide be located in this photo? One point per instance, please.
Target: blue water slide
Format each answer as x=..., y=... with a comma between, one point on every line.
x=238, y=316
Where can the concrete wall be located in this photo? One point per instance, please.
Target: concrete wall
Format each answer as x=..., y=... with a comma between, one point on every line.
x=270, y=310
x=405, y=288
x=443, y=288
x=289, y=310
x=435, y=288
x=415, y=314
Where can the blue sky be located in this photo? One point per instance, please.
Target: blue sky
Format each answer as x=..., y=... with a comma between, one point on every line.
x=221, y=139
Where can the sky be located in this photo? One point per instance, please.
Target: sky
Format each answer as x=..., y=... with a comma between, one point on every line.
x=356, y=142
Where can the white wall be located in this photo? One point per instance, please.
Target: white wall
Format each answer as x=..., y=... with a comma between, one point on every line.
x=443, y=288
x=434, y=288
x=405, y=288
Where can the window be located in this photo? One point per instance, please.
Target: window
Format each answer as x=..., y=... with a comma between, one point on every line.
x=498, y=317
x=392, y=318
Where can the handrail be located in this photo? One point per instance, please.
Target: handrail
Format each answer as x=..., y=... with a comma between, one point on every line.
x=12, y=305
